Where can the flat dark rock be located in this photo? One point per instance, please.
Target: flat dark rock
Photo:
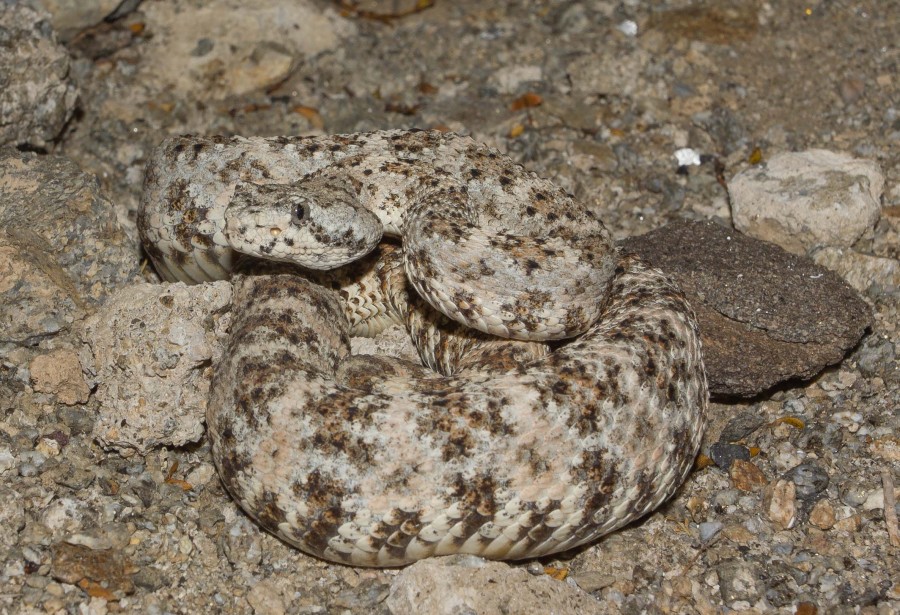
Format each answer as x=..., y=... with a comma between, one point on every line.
x=766, y=315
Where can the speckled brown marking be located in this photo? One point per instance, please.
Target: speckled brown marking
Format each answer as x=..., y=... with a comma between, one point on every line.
x=457, y=415
x=470, y=191
x=374, y=439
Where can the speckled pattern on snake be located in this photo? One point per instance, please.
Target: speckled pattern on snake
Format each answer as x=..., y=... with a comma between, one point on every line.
x=522, y=450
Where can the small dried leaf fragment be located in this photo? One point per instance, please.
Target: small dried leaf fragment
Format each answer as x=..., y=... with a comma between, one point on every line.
x=527, y=101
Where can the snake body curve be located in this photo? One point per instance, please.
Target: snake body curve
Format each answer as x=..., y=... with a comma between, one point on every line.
x=377, y=462
x=486, y=242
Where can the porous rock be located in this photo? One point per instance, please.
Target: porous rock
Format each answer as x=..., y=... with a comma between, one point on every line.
x=766, y=315
x=37, y=97
x=806, y=199
x=61, y=249
x=467, y=584
x=149, y=350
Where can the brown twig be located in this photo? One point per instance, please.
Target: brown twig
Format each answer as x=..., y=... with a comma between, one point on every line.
x=350, y=9
x=890, y=511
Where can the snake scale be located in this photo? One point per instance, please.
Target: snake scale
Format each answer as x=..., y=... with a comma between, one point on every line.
x=518, y=449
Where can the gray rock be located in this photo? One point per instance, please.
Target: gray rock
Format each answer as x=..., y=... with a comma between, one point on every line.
x=709, y=529
x=61, y=250
x=593, y=580
x=877, y=353
x=71, y=16
x=364, y=598
x=809, y=478
x=725, y=454
x=807, y=199
x=37, y=97
x=12, y=518
x=241, y=543
x=873, y=275
x=738, y=581
x=742, y=426
x=464, y=584
x=782, y=584
x=766, y=315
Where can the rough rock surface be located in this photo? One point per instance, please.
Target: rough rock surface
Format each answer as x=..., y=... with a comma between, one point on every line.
x=59, y=372
x=274, y=37
x=61, y=250
x=37, y=96
x=765, y=315
x=149, y=349
x=71, y=16
x=465, y=584
x=866, y=273
x=806, y=199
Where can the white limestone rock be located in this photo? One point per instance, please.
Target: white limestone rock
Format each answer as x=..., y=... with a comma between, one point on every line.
x=469, y=584
x=149, y=350
x=807, y=199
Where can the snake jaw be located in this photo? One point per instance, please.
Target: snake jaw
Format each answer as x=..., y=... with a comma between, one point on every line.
x=283, y=223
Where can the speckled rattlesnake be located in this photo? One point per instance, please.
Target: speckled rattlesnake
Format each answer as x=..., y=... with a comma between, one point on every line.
x=375, y=461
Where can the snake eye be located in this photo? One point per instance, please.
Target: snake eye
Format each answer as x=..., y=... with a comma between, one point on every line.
x=301, y=213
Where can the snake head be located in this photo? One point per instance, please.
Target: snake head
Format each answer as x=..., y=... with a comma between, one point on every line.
x=312, y=226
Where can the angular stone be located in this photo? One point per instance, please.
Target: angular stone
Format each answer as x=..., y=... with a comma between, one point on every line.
x=59, y=373
x=105, y=573
x=765, y=315
x=61, y=249
x=800, y=200
x=37, y=97
x=780, y=503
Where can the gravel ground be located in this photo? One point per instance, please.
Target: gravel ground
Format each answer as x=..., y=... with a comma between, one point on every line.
x=597, y=95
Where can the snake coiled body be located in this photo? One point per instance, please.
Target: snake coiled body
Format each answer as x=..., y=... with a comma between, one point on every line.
x=520, y=452
x=486, y=242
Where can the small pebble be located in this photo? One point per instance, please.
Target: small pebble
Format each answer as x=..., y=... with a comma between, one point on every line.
x=29, y=470
x=855, y=494
x=780, y=505
x=724, y=454
x=265, y=599
x=738, y=534
x=810, y=479
x=848, y=524
x=822, y=515
x=742, y=426
x=726, y=497
x=592, y=580
x=783, y=548
x=709, y=529
x=746, y=476
x=875, y=500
